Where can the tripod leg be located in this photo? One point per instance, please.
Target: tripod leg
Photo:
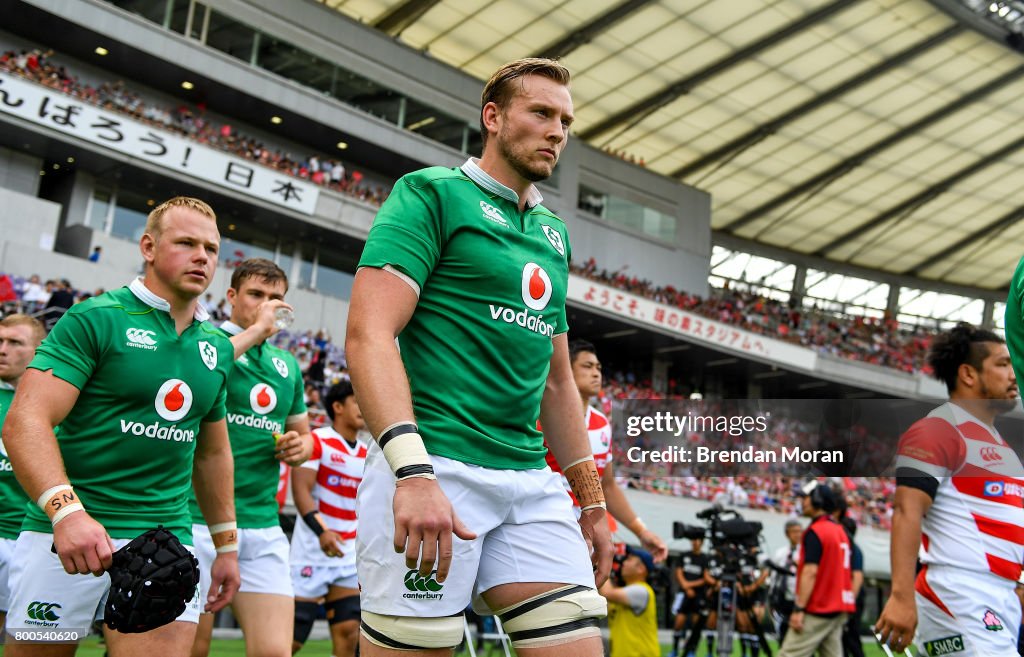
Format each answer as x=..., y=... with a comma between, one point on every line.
x=752, y=619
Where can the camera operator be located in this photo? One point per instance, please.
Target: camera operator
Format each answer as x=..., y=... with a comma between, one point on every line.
x=783, y=591
x=824, y=593
x=750, y=587
x=693, y=576
x=632, y=614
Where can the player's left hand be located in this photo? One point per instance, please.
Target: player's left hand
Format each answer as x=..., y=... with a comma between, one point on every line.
x=224, y=581
x=653, y=544
x=594, y=524
x=293, y=448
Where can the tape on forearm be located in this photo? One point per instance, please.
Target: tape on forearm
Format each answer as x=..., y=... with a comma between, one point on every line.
x=225, y=537
x=59, y=502
x=403, y=448
x=312, y=520
x=585, y=483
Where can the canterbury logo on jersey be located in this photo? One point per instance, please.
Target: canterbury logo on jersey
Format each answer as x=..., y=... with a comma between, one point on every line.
x=493, y=213
x=141, y=339
x=991, y=454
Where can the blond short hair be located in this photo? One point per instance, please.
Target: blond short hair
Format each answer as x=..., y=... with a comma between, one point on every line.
x=155, y=223
x=501, y=89
x=18, y=319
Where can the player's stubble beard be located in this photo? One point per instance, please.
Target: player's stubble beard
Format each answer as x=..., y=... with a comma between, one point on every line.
x=1000, y=404
x=512, y=152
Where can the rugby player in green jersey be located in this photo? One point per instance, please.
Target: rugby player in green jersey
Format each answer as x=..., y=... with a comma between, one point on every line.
x=19, y=337
x=136, y=379
x=470, y=272
x=264, y=402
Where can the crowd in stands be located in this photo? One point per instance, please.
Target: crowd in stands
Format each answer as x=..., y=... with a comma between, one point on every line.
x=193, y=123
x=880, y=341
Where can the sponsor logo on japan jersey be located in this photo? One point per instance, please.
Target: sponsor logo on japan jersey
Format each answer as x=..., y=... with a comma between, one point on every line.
x=282, y=367
x=208, y=353
x=493, y=213
x=1001, y=488
x=262, y=398
x=141, y=339
x=536, y=286
x=337, y=458
x=173, y=400
x=555, y=238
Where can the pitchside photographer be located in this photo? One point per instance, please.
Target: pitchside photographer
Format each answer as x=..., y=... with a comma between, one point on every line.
x=632, y=610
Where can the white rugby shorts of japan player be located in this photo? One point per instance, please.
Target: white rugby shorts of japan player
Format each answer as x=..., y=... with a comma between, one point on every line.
x=966, y=613
x=313, y=581
x=526, y=532
x=43, y=596
x=262, y=560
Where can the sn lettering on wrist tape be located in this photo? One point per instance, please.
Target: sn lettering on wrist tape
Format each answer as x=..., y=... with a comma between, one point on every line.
x=59, y=502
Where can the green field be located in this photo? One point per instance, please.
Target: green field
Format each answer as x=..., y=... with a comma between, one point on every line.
x=236, y=648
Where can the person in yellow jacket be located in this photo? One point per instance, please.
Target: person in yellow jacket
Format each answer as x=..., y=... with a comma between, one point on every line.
x=632, y=615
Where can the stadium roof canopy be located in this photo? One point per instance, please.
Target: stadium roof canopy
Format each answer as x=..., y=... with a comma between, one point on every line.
x=885, y=134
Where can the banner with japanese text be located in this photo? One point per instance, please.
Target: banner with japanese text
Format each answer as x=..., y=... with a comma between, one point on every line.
x=58, y=111
x=692, y=326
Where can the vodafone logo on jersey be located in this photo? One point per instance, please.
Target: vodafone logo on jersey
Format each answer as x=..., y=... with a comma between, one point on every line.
x=173, y=400
x=536, y=287
x=262, y=398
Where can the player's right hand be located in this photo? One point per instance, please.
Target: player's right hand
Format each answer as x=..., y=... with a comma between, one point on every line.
x=594, y=525
x=224, y=582
x=265, y=315
x=82, y=544
x=897, y=623
x=330, y=543
x=424, y=524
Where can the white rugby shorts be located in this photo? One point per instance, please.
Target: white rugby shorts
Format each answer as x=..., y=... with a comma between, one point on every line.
x=965, y=613
x=6, y=554
x=262, y=560
x=314, y=580
x=44, y=596
x=525, y=526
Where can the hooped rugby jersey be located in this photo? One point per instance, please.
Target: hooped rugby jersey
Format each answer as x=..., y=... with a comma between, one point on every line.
x=265, y=393
x=128, y=443
x=12, y=498
x=600, y=431
x=976, y=520
x=492, y=282
x=339, y=469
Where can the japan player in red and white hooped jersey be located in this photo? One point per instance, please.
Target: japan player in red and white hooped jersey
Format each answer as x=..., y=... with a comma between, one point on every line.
x=323, y=554
x=586, y=370
x=959, y=497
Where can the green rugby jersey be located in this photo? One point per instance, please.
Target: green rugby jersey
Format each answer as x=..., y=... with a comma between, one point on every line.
x=128, y=442
x=265, y=392
x=12, y=498
x=492, y=283
x=1014, y=320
